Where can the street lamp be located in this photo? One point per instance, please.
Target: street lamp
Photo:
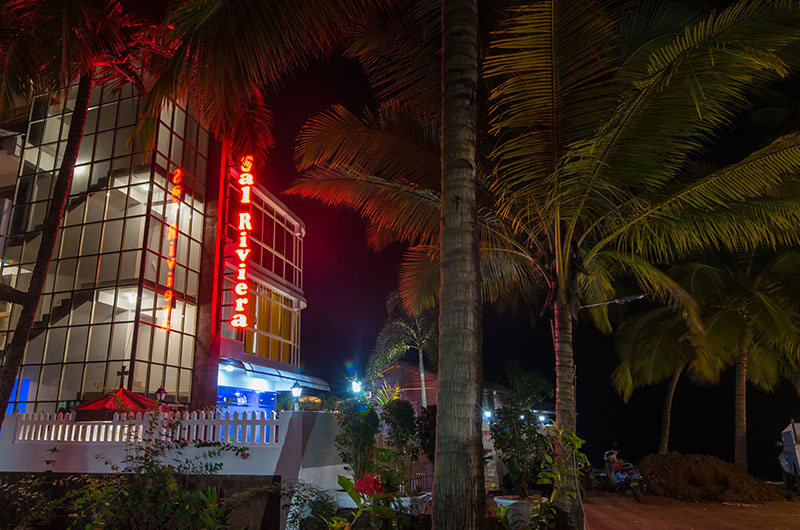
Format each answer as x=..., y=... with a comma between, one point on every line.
x=296, y=391
x=487, y=414
x=161, y=394
x=356, y=384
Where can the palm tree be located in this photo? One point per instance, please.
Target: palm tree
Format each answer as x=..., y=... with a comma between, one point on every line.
x=400, y=334
x=458, y=475
x=55, y=44
x=593, y=176
x=655, y=346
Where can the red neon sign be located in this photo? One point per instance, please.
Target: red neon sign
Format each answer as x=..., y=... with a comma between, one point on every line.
x=245, y=180
x=175, y=192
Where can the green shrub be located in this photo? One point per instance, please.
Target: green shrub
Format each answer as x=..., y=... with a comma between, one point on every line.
x=520, y=445
x=426, y=431
x=358, y=424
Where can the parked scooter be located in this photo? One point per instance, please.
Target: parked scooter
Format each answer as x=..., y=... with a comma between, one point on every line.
x=619, y=476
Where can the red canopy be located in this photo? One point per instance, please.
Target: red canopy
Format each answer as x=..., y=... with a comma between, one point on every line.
x=121, y=400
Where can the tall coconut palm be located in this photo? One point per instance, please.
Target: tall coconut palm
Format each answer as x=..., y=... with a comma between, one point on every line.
x=52, y=45
x=402, y=333
x=458, y=475
x=750, y=321
x=592, y=178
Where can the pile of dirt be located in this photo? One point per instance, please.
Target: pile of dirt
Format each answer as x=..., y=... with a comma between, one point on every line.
x=703, y=478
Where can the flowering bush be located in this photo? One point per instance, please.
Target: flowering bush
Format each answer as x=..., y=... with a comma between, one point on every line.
x=368, y=486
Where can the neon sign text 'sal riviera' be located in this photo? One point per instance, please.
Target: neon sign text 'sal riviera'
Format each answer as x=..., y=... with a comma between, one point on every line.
x=175, y=193
x=245, y=180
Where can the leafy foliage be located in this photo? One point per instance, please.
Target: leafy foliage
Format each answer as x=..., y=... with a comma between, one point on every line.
x=563, y=453
x=358, y=424
x=426, y=431
x=519, y=443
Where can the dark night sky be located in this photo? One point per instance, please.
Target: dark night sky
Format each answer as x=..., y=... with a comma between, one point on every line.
x=346, y=285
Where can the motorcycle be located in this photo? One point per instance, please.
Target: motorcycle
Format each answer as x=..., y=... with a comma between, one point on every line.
x=620, y=477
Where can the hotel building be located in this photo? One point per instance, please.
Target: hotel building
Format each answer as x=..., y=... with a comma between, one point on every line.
x=168, y=270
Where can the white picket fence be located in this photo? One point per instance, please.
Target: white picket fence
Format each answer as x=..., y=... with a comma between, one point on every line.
x=251, y=429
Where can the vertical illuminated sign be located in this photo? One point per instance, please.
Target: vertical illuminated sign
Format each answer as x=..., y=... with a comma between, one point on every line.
x=243, y=225
x=175, y=193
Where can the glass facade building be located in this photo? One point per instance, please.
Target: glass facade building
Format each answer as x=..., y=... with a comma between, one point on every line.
x=123, y=289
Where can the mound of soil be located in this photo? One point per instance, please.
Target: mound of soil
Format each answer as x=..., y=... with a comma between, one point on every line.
x=703, y=478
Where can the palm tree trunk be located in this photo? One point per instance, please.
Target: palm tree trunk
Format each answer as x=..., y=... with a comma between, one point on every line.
x=666, y=415
x=740, y=405
x=458, y=490
x=571, y=508
x=16, y=348
x=422, y=379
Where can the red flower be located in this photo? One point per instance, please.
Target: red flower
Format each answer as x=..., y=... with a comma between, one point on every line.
x=369, y=486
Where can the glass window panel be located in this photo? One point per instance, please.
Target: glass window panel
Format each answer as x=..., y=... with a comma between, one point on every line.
x=43, y=183
x=184, y=218
x=146, y=306
x=35, y=349
x=174, y=348
x=158, y=353
x=103, y=306
x=98, y=342
x=49, y=383
x=82, y=307
x=31, y=248
x=17, y=223
x=126, y=304
x=64, y=132
x=185, y=386
x=94, y=379
x=129, y=266
x=121, y=341
x=151, y=267
x=202, y=144
x=127, y=113
x=35, y=130
x=105, y=141
x=171, y=382
x=13, y=250
x=143, y=342
x=38, y=211
x=200, y=172
x=188, y=159
x=140, y=173
x=112, y=236
x=120, y=169
x=108, y=116
x=91, y=239
x=24, y=190
x=91, y=121
x=157, y=206
x=176, y=151
x=155, y=379
x=107, y=269
x=137, y=199
x=71, y=241
x=190, y=319
x=182, y=248
x=31, y=373
x=76, y=343
x=262, y=346
x=59, y=310
x=134, y=232
x=191, y=285
x=179, y=121
x=95, y=206
x=85, y=151
x=43, y=308
x=87, y=272
x=116, y=203
x=52, y=130
x=30, y=158
x=194, y=256
x=75, y=210
x=65, y=277
x=113, y=377
x=71, y=382
x=163, y=139
x=47, y=157
x=139, y=378
x=56, y=342
x=123, y=143
x=191, y=132
x=177, y=315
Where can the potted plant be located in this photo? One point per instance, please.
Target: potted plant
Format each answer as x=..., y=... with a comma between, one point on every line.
x=521, y=447
x=358, y=425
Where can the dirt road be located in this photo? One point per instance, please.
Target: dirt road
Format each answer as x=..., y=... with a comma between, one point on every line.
x=608, y=511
